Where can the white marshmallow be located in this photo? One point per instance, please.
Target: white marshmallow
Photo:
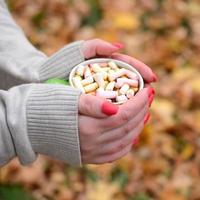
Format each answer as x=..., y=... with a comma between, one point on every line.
x=96, y=67
x=110, y=86
x=87, y=81
x=124, y=89
x=80, y=70
x=106, y=94
x=117, y=74
x=106, y=69
x=121, y=98
x=79, y=77
x=130, y=93
x=77, y=84
x=131, y=74
x=98, y=77
x=131, y=82
x=91, y=87
x=113, y=65
x=87, y=72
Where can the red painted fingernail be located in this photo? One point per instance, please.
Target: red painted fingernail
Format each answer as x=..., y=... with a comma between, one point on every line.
x=118, y=45
x=151, y=91
x=109, y=108
x=151, y=99
x=146, y=118
x=136, y=141
x=155, y=78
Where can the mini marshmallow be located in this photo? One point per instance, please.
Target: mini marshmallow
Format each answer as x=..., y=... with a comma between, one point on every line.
x=87, y=81
x=96, y=68
x=79, y=77
x=113, y=65
x=121, y=98
x=98, y=77
x=106, y=69
x=124, y=89
x=117, y=74
x=110, y=86
x=131, y=74
x=80, y=70
x=130, y=93
x=131, y=82
x=106, y=94
x=91, y=87
x=77, y=84
x=87, y=72
x=135, y=89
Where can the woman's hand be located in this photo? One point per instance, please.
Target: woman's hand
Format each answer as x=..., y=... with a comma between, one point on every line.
x=99, y=48
x=106, y=138
x=107, y=131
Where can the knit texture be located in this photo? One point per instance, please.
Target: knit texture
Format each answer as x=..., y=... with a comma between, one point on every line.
x=61, y=63
x=36, y=118
x=52, y=122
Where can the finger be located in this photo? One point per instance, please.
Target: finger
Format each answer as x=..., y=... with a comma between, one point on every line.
x=119, y=133
x=97, y=107
x=127, y=110
x=113, y=157
x=119, y=144
x=98, y=47
x=144, y=70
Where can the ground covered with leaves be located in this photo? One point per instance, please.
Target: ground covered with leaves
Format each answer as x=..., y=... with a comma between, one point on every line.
x=165, y=165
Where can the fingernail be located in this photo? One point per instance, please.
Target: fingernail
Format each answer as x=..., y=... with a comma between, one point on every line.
x=146, y=118
x=109, y=108
x=136, y=141
x=151, y=99
x=155, y=78
x=151, y=91
x=118, y=45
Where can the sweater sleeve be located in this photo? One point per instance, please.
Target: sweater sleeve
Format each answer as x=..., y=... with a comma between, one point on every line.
x=21, y=62
x=36, y=118
x=39, y=119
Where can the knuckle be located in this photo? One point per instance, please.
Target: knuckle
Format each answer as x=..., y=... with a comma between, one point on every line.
x=87, y=106
x=124, y=116
x=126, y=129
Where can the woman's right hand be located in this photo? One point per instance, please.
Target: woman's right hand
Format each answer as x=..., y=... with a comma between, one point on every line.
x=107, y=137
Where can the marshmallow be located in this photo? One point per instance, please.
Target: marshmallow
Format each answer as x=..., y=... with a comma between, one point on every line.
x=77, y=84
x=91, y=87
x=110, y=86
x=122, y=98
x=121, y=81
x=98, y=77
x=106, y=94
x=131, y=74
x=87, y=81
x=130, y=93
x=80, y=70
x=87, y=72
x=113, y=65
x=124, y=89
x=116, y=74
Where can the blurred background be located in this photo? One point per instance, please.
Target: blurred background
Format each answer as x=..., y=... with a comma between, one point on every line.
x=165, y=165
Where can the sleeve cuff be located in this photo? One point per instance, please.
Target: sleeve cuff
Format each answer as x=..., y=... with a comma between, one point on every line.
x=52, y=122
x=60, y=64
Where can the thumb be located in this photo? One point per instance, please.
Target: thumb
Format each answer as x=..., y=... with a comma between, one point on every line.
x=96, y=107
x=98, y=47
